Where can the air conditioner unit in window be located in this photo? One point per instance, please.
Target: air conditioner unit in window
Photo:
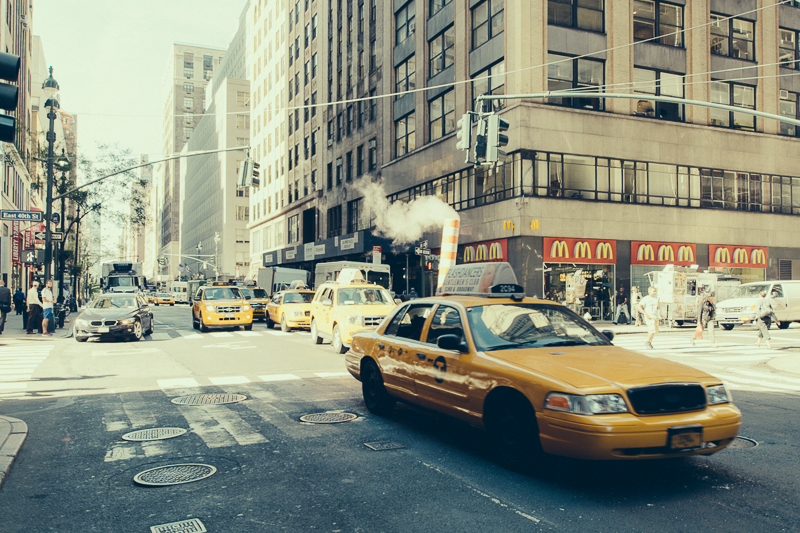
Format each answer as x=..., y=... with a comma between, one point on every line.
x=330, y=142
x=784, y=95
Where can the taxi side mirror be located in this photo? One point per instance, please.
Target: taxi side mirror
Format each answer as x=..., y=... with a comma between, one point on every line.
x=247, y=297
x=327, y=302
x=451, y=342
x=608, y=334
x=398, y=301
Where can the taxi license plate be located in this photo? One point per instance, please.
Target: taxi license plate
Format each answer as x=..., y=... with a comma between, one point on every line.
x=682, y=438
x=230, y=315
x=103, y=329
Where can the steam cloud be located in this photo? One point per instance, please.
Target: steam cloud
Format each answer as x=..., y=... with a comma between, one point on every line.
x=404, y=222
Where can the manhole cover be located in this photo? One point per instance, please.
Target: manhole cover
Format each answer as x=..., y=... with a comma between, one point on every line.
x=741, y=443
x=184, y=526
x=328, y=418
x=208, y=399
x=385, y=445
x=154, y=434
x=174, y=474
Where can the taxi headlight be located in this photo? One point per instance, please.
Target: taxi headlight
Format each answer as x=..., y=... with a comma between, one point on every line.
x=210, y=308
x=245, y=307
x=355, y=320
x=718, y=394
x=593, y=404
x=127, y=321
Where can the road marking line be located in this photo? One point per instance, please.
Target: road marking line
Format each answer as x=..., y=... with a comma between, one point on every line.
x=160, y=336
x=771, y=386
x=331, y=374
x=249, y=333
x=723, y=359
x=279, y=377
x=190, y=335
x=13, y=386
x=278, y=333
x=14, y=377
x=177, y=383
x=229, y=380
x=221, y=334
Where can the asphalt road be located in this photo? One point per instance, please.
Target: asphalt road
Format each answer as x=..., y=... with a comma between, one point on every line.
x=277, y=473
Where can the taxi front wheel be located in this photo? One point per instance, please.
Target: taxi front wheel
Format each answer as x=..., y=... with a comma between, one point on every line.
x=376, y=398
x=515, y=435
x=338, y=345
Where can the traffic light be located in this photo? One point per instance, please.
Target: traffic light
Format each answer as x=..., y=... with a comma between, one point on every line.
x=9, y=70
x=480, y=140
x=245, y=174
x=496, y=139
x=255, y=174
x=464, y=134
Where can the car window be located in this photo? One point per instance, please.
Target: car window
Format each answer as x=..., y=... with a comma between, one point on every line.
x=394, y=323
x=749, y=291
x=411, y=322
x=199, y=295
x=777, y=291
x=504, y=326
x=298, y=297
x=223, y=293
x=363, y=296
x=113, y=302
x=446, y=321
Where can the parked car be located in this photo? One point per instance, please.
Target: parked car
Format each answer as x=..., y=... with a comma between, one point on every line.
x=539, y=378
x=740, y=307
x=115, y=315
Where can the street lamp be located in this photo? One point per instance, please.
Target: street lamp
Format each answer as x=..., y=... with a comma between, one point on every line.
x=199, y=251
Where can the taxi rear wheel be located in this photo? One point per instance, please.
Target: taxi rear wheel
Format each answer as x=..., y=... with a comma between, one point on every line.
x=338, y=345
x=511, y=422
x=315, y=338
x=268, y=320
x=376, y=398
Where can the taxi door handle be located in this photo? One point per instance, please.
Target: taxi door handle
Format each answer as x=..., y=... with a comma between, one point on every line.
x=421, y=355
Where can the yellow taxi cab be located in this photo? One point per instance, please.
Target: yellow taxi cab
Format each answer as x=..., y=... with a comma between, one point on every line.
x=151, y=297
x=291, y=309
x=258, y=300
x=220, y=305
x=163, y=298
x=537, y=376
x=347, y=306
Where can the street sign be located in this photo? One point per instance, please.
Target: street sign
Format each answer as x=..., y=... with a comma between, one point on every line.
x=55, y=218
x=54, y=235
x=29, y=216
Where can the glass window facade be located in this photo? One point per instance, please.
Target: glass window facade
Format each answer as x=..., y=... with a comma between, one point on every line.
x=658, y=22
x=732, y=37
x=487, y=21
x=565, y=73
x=581, y=14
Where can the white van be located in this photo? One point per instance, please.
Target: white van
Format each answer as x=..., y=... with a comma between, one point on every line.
x=740, y=307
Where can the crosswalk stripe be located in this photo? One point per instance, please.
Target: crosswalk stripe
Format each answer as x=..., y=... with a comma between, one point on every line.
x=278, y=333
x=160, y=336
x=760, y=384
x=734, y=358
x=249, y=333
x=13, y=386
x=229, y=380
x=278, y=377
x=769, y=377
x=221, y=334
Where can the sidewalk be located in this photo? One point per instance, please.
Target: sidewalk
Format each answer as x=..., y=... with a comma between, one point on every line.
x=13, y=330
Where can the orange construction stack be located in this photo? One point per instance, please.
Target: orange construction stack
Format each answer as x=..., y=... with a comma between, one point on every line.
x=449, y=248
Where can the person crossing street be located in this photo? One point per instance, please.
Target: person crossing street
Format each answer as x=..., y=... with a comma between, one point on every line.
x=622, y=306
x=648, y=306
x=34, y=309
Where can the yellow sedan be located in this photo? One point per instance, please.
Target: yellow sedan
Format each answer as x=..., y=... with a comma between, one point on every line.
x=291, y=309
x=162, y=298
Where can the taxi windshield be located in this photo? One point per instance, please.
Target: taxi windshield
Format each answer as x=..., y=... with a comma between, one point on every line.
x=298, y=297
x=364, y=296
x=108, y=302
x=254, y=293
x=223, y=293
x=508, y=326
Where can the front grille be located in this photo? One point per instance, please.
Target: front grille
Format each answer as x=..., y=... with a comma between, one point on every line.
x=667, y=398
x=228, y=308
x=372, y=321
x=104, y=323
x=732, y=310
x=258, y=306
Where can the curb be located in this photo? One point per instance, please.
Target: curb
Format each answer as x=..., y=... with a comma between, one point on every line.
x=13, y=433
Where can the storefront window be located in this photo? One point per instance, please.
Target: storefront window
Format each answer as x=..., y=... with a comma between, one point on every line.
x=599, y=288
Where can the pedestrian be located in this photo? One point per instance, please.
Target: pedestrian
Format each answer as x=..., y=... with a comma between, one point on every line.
x=5, y=304
x=412, y=295
x=622, y=306
x=19, y=301
x=635, y=315
x=764, y=316
x=706, y=316
x=47, y=307
x=34, y=309
x=648, y=306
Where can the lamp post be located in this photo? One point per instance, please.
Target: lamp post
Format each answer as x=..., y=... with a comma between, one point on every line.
x=216, y=255
x=75, y=276
x=61, y=262
x=50, y=87
x=199, y=251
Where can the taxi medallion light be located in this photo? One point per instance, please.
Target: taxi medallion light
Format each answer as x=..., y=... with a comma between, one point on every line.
x=718, y=394
x=593, y=404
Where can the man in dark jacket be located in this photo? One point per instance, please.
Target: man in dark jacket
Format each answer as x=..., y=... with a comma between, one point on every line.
x=5, y=304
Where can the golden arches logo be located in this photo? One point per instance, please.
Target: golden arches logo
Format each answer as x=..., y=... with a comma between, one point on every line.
x=582, y=250
x=508, y=225
x=645, y=253
x=604, y=251
x=758, y=257
x=483, y=253
x=666, y=253
x=685, y=253
x=495, y=251
x=559, y=249
x=469, y=254
x=535, y=223
x=740, y=256
x=722, y=255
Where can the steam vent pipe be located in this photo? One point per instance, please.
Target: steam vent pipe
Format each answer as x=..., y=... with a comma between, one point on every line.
x=449, y=248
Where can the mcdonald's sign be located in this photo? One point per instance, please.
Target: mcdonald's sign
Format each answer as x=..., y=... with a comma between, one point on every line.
x=586, y=251
x=737, y=256
x=488, y=251
x=508, y=225
x=662, y=253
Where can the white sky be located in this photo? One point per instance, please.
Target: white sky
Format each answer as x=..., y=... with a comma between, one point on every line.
x=110, y=59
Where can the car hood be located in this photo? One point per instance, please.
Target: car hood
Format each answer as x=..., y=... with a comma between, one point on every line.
x=296, y=306
x=222, y=302
x=115, y=313
x=598, y=367
x=737, y=302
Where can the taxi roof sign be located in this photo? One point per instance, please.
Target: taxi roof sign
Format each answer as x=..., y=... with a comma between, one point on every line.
x=350, y=275
x=485, y=279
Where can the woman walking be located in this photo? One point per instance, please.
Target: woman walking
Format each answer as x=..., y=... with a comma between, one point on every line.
x=708, y=312
x=764, y=316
